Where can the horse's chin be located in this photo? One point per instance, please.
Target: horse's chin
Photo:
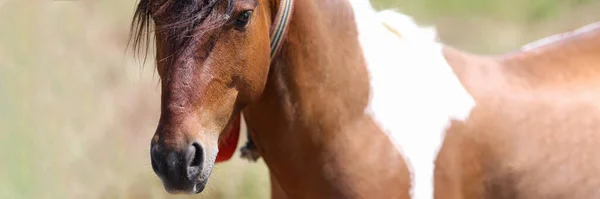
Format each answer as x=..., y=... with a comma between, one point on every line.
x=194, y=188
x=189, y=188
x=199, y=187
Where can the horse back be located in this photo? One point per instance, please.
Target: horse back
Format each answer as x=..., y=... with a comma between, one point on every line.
x=535, y=129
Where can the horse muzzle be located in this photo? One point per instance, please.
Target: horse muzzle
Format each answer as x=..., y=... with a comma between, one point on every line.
x=181, y=171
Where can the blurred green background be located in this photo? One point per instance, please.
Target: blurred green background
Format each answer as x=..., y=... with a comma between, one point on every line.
x=77, y=110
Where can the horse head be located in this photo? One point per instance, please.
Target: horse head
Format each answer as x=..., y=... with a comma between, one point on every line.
x=213, y=59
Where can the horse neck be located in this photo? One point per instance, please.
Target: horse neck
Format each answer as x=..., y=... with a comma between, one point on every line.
x=310, y=125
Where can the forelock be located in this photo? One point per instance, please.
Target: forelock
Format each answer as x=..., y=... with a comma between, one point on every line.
x=178, y=21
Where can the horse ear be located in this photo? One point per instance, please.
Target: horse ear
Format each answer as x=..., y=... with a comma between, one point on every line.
x=228, y=144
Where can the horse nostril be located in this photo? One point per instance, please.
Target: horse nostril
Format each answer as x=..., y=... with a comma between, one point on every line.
x=194, y=157
x=197, y=156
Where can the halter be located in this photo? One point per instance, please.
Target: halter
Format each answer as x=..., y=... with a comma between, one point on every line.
x=278, y=32
x=280, y=25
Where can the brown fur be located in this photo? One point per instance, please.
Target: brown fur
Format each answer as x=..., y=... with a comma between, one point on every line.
x=535, y=130
x=533, y=133
x=306, y=115
x=312, y=112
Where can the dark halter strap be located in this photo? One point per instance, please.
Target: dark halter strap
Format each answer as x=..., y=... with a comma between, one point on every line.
x=280, y=25
x=278, y=32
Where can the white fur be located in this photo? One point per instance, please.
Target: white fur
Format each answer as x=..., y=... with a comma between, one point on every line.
x=414, y=92
x=557, y=37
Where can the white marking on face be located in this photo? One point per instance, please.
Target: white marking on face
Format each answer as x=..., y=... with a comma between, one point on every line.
x=414, y=92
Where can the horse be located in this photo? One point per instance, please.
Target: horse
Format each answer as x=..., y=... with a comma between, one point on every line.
x=359, y=104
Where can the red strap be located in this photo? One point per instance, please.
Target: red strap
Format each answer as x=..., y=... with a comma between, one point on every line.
x=228, y=145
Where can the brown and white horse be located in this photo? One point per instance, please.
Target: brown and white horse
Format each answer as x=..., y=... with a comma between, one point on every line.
x=353, y=93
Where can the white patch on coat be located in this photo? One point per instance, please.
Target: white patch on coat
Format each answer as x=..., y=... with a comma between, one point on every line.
x=414, y=92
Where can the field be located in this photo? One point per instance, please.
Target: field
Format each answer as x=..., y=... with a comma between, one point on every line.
x=77, y=110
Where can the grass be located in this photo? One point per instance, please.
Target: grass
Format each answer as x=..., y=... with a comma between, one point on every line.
x=77, y=111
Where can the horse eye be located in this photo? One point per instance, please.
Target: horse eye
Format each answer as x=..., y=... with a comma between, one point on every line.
x=243, y=19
